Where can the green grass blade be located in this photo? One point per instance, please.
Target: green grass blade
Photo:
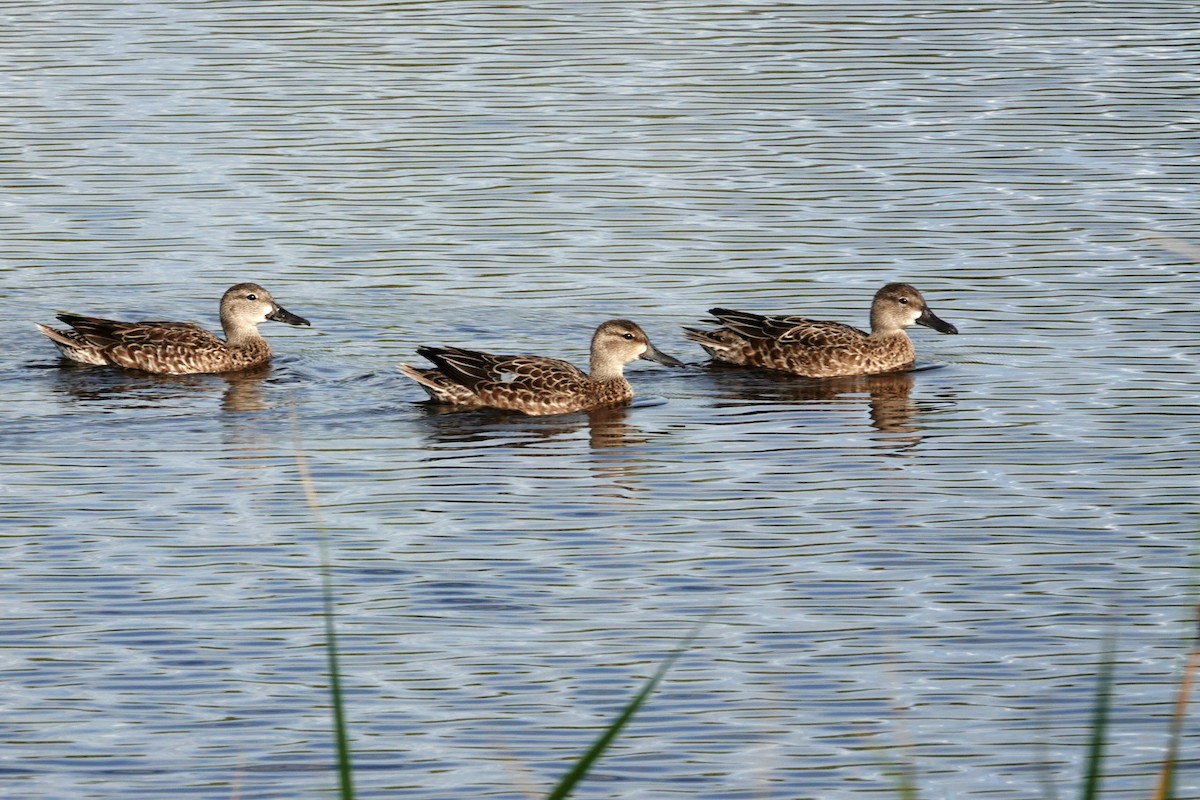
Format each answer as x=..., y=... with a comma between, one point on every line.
x=340, y=731
x=906, y=784
x=585, y=762
x=1100, y=713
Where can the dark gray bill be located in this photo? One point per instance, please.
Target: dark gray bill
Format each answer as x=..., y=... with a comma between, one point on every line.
x=281, y=314
x=932, y=320
x=652, y=354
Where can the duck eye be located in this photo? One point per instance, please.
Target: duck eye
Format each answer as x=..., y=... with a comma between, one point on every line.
x=903, y=300
x=252, y=296
x=628, y=336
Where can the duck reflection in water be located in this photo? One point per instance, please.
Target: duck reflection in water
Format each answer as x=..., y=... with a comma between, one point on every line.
x=888, y=395
x=554, y=441
x=606, y=427
x=242, y=391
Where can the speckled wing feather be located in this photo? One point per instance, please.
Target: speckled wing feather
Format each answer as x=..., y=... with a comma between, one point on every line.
x=822, y=334
x=467, y=367
x=799, y=331
x=753, y=326
x=111, y=333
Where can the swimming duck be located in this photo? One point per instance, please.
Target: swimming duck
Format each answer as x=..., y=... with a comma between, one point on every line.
x=176, y=348
x=820, y=349
x=538, y=385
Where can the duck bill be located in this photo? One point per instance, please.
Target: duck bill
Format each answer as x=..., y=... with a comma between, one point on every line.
x=281, y=314
x=932, y=320
x=659, y=357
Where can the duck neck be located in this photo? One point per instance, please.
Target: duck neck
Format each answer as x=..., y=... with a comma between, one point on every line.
x=239, y=334
x=881, y=328
x=605, y=369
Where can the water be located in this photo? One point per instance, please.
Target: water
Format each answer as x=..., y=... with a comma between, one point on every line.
x=913, y=569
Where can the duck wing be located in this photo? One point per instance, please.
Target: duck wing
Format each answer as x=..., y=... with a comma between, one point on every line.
x=486, y=373
x=819, y=334
x=791, y=329
x=108, y=333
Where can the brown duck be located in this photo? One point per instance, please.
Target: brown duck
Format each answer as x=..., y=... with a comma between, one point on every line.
x=177, y=348
x=820, y=349
x=538, y=385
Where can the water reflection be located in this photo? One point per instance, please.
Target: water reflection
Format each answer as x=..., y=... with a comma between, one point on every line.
x=244, y=390
x=609, y=428
x=241, y=391
x=456, y=427
x=602, y=450
x=888, y=397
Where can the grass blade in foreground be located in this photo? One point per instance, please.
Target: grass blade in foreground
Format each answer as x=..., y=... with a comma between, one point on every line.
x=581, y=767
x=340, y=731
x=1166, y=779
x=1100, y=709
x=906, y=784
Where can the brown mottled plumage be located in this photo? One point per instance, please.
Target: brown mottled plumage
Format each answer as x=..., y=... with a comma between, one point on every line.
x=538, y=385
x=819, y=349
x=177, y=348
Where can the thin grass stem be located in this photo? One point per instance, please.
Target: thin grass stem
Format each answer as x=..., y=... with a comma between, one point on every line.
x=1099, y=725
x=1165, y=790
x=340, y=730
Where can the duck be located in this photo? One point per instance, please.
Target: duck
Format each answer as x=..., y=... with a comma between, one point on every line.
x=176, y=348
x=538, y=385
x=819, y=348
